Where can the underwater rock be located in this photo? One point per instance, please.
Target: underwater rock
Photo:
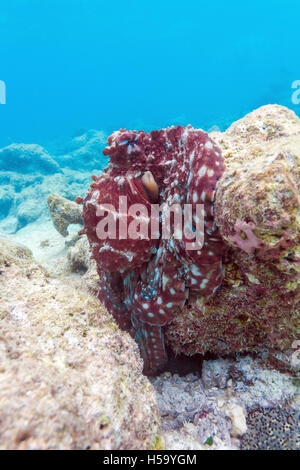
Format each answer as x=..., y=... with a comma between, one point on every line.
x=145, y=281
x=257, y=210
x=190, y=414
x=63, y=213
x=79, y=256
x=6, y=199
x=27, y=158
x=82, y=152
x=69, y=378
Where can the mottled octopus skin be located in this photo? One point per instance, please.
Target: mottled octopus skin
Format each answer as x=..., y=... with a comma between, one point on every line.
x=144, y=283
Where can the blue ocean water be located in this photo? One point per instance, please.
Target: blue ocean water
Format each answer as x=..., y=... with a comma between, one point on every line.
x=81, y=64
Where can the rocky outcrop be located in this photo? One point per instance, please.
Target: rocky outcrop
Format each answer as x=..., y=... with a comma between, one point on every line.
x=29, y=173
x=69, y=378
x=63, y=213
x=257, y=210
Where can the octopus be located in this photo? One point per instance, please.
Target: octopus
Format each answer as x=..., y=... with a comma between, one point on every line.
x=148, y=268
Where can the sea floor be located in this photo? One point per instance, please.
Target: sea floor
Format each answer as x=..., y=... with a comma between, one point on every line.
x=48, y=247
x=225, y=404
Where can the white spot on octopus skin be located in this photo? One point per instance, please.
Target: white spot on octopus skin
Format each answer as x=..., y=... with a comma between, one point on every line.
x=202, y=171
x=195, y=270
x=210, y=172
x=127, y=254
x=203, y=283
x=165, y=281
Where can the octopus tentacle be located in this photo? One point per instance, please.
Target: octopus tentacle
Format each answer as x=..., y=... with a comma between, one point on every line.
x=152, y=345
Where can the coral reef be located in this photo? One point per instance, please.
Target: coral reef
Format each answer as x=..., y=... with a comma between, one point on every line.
x=70, y=379
x=63, y=213
x=257, y=211
x=147, y=278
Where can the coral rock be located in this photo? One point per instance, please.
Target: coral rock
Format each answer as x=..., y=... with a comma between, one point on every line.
x=69, y=378
x=63, y=213
x=79, y=256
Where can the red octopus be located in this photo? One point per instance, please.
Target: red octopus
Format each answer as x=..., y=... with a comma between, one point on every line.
x=146, y=278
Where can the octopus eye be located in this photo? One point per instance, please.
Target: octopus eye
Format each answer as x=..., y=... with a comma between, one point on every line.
x=150, y=186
